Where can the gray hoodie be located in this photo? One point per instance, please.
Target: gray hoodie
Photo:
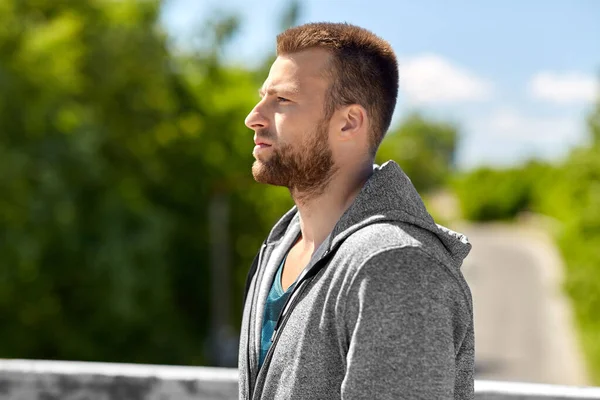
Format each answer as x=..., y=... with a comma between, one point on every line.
x=381, y=311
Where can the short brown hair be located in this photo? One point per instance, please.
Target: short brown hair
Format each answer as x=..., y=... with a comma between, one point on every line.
x=364, y=69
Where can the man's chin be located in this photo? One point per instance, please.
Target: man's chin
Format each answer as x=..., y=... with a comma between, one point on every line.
x=261, y=174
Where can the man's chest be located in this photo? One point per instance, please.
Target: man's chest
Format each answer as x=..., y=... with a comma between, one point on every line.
x=295, y=263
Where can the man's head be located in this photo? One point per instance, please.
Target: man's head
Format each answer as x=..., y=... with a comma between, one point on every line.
x=328, y=101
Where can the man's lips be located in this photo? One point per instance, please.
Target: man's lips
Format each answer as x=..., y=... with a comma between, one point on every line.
x=260, y=146
x=261, y=142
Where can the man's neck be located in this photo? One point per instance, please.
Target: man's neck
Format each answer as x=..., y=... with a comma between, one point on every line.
x=319, y=214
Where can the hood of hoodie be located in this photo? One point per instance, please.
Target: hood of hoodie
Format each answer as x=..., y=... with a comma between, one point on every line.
x=388, y=195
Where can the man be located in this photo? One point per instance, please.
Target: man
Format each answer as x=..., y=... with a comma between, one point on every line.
x=356, y=293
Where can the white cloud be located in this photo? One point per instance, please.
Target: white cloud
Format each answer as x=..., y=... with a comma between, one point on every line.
x=510, y=124
x=508, y=136
x=567, y=87
x=432, y=79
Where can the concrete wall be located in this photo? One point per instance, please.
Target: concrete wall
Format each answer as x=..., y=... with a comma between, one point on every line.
x=55, y=380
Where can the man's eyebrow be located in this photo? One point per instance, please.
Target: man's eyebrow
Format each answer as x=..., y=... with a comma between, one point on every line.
x=278, y=89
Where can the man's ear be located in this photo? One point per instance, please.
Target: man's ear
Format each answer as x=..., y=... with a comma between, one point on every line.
x=354, y=121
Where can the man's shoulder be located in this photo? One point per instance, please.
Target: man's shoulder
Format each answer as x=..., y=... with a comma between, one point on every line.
x=379, y=237
x=371, y=241
x=400, y=252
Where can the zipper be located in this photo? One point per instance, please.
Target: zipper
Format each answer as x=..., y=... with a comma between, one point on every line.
x=291, y=302
x=249, y=326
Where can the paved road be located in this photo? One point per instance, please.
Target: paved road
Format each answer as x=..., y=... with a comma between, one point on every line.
x=523, y=323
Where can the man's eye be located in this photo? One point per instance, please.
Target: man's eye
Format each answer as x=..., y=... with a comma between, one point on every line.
x=282, y=99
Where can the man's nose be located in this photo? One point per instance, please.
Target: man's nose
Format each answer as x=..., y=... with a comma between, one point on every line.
x=256, y=119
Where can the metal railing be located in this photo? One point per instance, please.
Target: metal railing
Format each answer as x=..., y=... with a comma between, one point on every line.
x=36, y=379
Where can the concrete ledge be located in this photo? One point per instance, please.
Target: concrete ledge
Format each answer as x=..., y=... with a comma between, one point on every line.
x=493, y=390
x=60, y=380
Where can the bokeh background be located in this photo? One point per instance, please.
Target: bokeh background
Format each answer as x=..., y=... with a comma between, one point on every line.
x=129, y=216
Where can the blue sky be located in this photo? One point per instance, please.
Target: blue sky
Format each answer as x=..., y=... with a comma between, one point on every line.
x=518, y=77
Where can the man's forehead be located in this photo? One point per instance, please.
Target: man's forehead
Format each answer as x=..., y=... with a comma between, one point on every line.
x=291, y=72
x=282, y=80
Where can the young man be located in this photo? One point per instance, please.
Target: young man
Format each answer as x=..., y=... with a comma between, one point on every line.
x=356, y=293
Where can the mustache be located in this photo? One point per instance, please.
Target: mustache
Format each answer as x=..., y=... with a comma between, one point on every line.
x=264, y=134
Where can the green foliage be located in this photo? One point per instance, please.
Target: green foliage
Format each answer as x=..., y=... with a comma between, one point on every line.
x=577, y=206
x=79, y=104
x=487, y=194
x=424, y=149
x=574, y=199
x=111, y=149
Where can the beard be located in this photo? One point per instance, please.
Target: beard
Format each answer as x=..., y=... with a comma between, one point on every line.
x=304, y=169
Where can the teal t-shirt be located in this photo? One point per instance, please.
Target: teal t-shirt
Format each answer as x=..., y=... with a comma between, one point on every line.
x=275, y=302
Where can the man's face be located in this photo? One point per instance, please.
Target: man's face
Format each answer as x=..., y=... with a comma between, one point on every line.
x=291, y=133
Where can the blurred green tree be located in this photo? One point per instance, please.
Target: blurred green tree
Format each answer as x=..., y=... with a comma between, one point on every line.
x=488, y=194
x=425, y=149
x=86, y=93
x=573, y=197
